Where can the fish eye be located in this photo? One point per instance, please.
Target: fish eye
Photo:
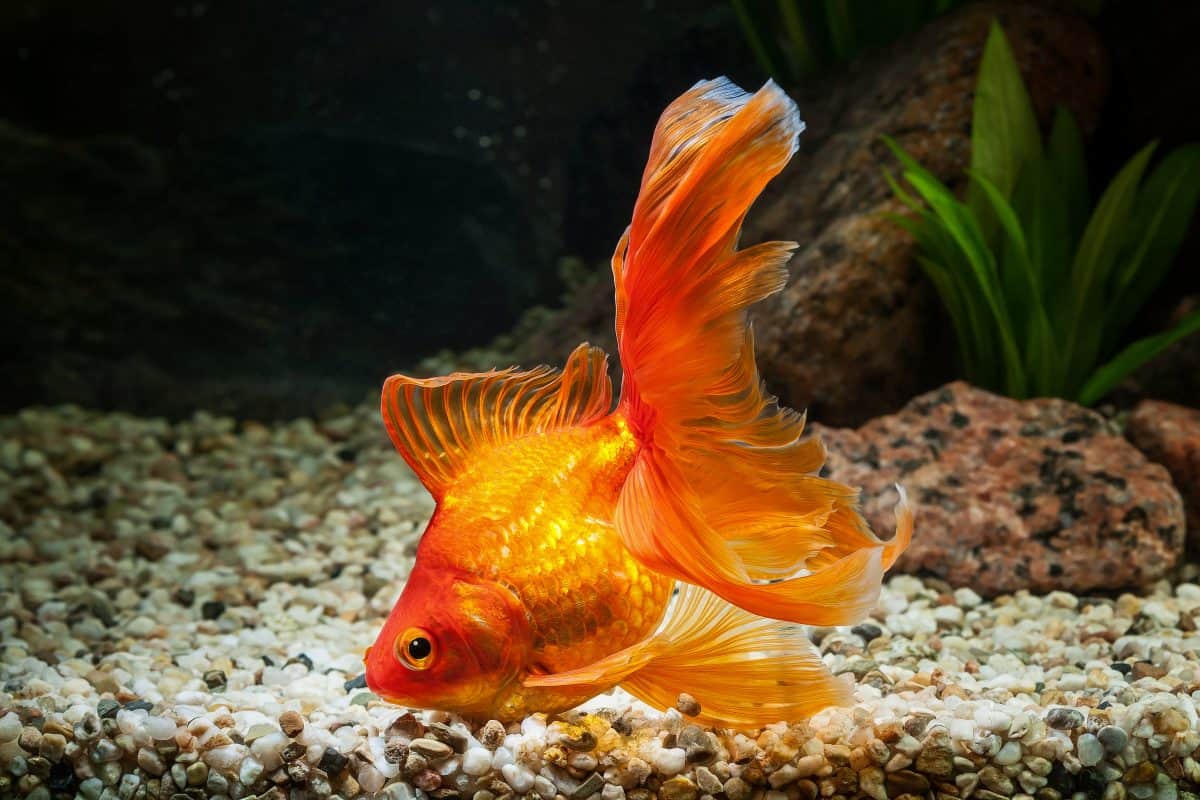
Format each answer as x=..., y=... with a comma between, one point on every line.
x=415, y=649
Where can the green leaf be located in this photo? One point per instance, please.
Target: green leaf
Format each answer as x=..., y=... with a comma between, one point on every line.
x=1064, y=151
x=1004, y=130
x=841, y=29
x=1106, y=377
x=752, y=30
x=1161, y=218
x=802, y=51
x=1093, y=266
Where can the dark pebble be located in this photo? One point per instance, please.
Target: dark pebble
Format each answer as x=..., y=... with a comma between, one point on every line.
x=292, y=751
x=212, y=609
x=332, y=762
x=135, y=705
x=356, y=683
x=302, y=659
x=62, y=778
x=107, y=709
x=184, y=597
x=1064, y=719
x=1123, y=667
x=215, y=679
x=867, y=631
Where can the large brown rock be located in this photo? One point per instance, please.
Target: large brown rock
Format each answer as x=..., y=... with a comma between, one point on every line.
x=1010, y=495
x=1170, y=435
x=858, y=330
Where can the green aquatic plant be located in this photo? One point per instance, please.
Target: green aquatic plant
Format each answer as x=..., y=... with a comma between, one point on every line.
x=1041, y=294
x=793, y=39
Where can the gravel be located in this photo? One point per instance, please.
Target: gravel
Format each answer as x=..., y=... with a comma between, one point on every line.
x=183, y=609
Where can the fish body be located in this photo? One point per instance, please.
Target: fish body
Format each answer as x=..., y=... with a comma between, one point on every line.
x=536, y=518
x=668, y=544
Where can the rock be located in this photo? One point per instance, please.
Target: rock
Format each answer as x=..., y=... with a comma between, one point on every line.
x=431, y=748
x=1170, y=435
x=1011, y=495
x=1113, y=738
x=688, y=706
x=291, y=723
x=1174, y=374
x=856, y=332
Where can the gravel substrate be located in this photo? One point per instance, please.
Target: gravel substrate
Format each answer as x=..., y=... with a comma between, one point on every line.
x=183, y=610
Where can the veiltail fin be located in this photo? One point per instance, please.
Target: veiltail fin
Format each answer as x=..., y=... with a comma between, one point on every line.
x=745, y=671
x=724, y=493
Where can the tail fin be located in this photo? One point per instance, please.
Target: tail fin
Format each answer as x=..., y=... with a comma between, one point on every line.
x=724, y=494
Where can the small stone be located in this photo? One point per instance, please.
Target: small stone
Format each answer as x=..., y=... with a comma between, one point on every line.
x=10, y=727
x=669, y=761
x=706, y=780
x=476, y=761
x=293, y=751
x=1113, y=738
x=492, y=734
x=447, y=735
x=936, y=758
x=1142, y=772
x=357, y=682
x=150, y=762
x=737, y=789
x=291, y=723
x=215, y=679
x=159, y=728
x=679, y=787
x=91, y=788
x=427, y=780
x=432, y=749
x=396, y=751
x=212, y=609
x=906, y=782
x=332, y=762
x=995, y=780
x=52, y=746
x=250, y=771
x=1010, y=753
x=1089, y=750
x=107, y=708
x=1063, y=718
x=688, y=706
x=197, y=773
x=30, y=739
x=589, y=787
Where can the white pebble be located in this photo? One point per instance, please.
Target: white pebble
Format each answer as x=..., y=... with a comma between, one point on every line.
x=669, y=761
x=519, y=778
x=1089, y=750
x=225, y=758
x=10, y=727
x=250, y=771
x=476, y=761
x=159, y=728
x=1010, y=753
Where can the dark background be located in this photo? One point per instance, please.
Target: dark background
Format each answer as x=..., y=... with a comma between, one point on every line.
x=264, y=207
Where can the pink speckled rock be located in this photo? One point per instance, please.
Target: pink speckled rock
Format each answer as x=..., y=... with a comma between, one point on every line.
x=1170, y=435
x=1010, y=495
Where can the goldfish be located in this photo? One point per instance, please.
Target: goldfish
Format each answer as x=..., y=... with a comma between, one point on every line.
x=675, y=540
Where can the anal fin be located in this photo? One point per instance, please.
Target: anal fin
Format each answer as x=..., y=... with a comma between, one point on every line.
x=746, y=671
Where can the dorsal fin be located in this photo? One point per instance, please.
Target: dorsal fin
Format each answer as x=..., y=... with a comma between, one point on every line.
x=438, y=424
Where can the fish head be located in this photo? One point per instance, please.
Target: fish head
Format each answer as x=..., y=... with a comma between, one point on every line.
x=452, y=642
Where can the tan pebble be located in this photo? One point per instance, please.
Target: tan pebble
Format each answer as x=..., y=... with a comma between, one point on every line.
x=687, y=705
x=431, y=749
x=737, y=789
x=291, y=723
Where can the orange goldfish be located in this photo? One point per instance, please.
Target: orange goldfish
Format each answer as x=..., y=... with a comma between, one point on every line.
x=668, y=544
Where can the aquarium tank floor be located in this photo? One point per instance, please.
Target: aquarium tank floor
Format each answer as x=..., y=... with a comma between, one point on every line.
x=184, y=606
